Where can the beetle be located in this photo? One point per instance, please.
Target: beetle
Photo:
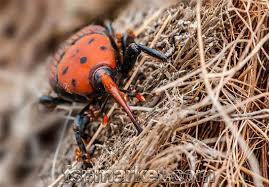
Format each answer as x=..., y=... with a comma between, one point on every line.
x=91, y=64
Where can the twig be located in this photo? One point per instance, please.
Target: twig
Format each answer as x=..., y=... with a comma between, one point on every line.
x=252, y=174
x=141, y=108
x=148, y=21
x=59, y=146
x=179, y=81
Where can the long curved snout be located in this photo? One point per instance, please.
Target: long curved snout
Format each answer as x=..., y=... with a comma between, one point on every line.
x=112, y=88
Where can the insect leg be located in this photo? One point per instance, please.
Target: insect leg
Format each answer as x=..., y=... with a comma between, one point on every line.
x=81, y=122
x=137, y=95
x=130, y=56
x=152, y=52
x=102, y=106
x=114, y=41
x=52, y=101
x=109, y=28
x=131, y=53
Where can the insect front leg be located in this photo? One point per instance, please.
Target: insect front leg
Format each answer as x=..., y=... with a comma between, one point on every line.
x=130, y=56
x=131, y=53
x=152, y=52
x=135, y=94
x=109, y=28
x=81, y=122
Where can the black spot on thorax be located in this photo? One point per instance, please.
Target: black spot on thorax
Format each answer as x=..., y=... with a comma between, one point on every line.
x=83, y=60
x=74, y=82
x=103, y=48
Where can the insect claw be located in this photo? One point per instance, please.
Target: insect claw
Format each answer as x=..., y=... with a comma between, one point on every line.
x=140, y=97
x=78, y=157
x=105, y=120
x=86, y=158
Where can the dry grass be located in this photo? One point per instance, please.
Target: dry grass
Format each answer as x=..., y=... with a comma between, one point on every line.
x=207, y=109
